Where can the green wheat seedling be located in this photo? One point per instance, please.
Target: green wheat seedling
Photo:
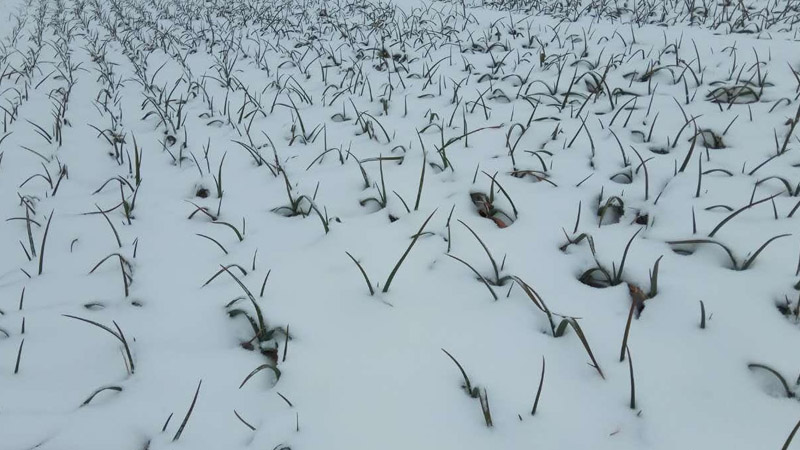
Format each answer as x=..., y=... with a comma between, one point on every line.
x=63, y=173
x=30, y=251
x=399, y=262
x=188, y=414
x=486, y=209
x=98, y=391
x=487, y=413
x=788, y=392
x=44, y=241
x=497, y=280
x=792, y=125
x=306, y=136
x=737, y=212
x=615, y=205
x=286, y=344
x=223, y=269
x=446, y=163
x=503, y=191
x=255, y=153
x=422, y=174
x=791, y=437
x=120, y=180
x=303, y=205
x=633, y=381
x=576, y=240
x=200, y=209
x=792, y=191
x=538, y=301
x=218, y=177
x=125, y=268
x=573, y=323
x=110, y=224
x=271, y=367
x=702, y=315
x=262, y=332
x=477, y=274
x=736, y=264
x=382, y=198
x=654, y=278
x=118, y=334
x=617, y=274
x=601, y=277
x=643, y=165
x=44, y=176
x=19, y=356
x=41, y=132
x=239, y=233
x=512, y=147
x=473, y=392
x=539, y=390
x=137, y=158
x=224, y=250
x=627, y=331
x=241, y=419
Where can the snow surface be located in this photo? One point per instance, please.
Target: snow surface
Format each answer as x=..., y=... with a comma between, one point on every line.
x=331, y=121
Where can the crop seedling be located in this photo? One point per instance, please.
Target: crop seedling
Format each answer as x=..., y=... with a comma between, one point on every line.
x=118, y=334
x=274, y=369
x=399, y=262
x=681, y=246
x=633, y=383
x=473, y=392
x=539, y=390
x=125, y=268
x=787, y=391
x=497, y=280
x=599, y=276
x=188, y=414
x=99, y=391
x=262, y=333
x=573, y=323
x=44, y=241
x=791, y=437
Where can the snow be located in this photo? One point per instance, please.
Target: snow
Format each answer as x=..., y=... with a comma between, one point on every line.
x=188, y=83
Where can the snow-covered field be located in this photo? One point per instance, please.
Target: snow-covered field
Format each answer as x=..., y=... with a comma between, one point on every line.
x=285, y=224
